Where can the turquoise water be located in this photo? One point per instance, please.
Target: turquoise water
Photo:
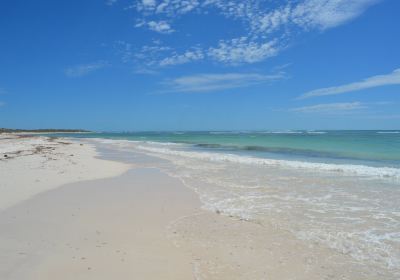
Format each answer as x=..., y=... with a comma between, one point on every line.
x=376, y=148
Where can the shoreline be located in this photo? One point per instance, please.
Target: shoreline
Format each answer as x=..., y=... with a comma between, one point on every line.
x=319, y=259
x=146, y=224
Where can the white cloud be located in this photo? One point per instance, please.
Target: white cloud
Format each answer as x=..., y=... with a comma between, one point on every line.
x=188, y=56
x=236, y=51
x=331, y=108
x=84, y=69
x=242, y=50
x=324, y=14
x=271, y=21
x=148, y=3
x=214, y=82
x=268, y=26
x=149, y=55
x=170, y=8
x=307, y=15
x=371, y=82
x=160, y=26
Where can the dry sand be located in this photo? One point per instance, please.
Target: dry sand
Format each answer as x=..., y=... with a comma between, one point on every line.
x=31, y=165
x=144, y=224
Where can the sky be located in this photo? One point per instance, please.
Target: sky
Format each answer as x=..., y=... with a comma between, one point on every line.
x=123, y=65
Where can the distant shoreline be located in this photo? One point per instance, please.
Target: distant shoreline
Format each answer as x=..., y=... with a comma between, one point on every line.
x=42, y=131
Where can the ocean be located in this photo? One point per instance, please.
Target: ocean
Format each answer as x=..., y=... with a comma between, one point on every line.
x=339, y=189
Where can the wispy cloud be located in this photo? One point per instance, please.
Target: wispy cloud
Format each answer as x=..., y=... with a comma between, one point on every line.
x=157, y=26
x=85, y=69
x=2, y=104
x=331, y=108
x=160, y=26
x=268, y=27
x=324, y=14
x=375, y=81
x=217, y=82
x=188, y=56
x=149, y=55
x=243, y=50
x=167, y=7
x=233, y=52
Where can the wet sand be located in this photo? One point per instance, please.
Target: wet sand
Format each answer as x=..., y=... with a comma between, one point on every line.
x=103, y=229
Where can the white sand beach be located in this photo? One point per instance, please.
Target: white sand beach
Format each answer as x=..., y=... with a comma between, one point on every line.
x=68, y=214
x=200, y=140
x=31, y=165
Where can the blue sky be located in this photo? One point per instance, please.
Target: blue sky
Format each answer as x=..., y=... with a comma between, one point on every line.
x=200, y=65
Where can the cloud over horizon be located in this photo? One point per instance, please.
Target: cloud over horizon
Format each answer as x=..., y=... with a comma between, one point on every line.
x=392, y=78
x=330, y=108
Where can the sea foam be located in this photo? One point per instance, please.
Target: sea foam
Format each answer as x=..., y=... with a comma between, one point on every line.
x=350, y=169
